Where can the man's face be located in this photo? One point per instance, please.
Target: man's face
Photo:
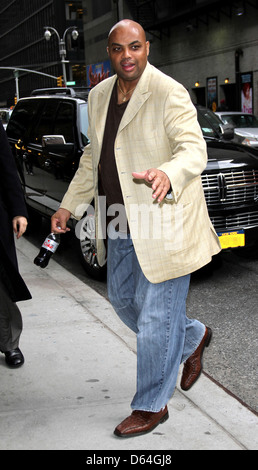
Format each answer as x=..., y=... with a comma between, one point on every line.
x=128, y=52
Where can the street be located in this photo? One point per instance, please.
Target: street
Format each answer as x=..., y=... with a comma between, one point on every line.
x=224, y=296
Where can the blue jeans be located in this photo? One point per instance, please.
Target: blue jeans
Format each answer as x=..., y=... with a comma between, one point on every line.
x=157, y=314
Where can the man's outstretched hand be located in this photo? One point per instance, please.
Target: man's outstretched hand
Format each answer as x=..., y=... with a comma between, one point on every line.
x=159, y=181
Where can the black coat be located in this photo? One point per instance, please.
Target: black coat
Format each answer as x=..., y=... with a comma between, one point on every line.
x=12, y=204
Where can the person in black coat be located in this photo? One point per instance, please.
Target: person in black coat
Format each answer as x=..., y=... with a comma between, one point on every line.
x=13, y=218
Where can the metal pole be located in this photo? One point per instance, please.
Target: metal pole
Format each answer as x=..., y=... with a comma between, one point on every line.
x=62, y=53
x=16, y=76
x=28, y=70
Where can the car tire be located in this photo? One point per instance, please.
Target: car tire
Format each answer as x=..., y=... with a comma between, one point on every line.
x=86, y=244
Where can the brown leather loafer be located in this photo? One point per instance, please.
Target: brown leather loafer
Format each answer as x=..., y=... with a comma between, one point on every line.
x=193, y=366
x=140, y=422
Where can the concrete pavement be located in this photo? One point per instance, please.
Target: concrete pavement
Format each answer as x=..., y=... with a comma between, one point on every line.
x=79, y=378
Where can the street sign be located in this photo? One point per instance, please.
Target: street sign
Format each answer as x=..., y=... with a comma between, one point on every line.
x=70, y=83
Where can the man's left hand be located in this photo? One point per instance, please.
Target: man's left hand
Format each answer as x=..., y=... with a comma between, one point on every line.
x=159, y=181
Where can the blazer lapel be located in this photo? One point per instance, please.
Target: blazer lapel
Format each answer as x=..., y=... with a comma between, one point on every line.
x=102, y=108
x=140, y=95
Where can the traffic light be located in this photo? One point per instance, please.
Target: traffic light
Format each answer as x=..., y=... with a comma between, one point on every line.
x=60, y=81
x=15, y=100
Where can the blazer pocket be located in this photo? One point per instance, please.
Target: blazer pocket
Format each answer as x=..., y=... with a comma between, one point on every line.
x=175, y=231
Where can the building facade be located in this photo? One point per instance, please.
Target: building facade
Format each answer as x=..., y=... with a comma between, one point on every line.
x=211, y=47
x=23, y=45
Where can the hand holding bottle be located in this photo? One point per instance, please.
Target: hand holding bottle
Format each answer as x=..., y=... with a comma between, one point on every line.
x=59, y=221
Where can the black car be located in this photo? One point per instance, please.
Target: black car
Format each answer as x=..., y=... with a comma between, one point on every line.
x=230, y=183
x=48, y=131
x=47, y=134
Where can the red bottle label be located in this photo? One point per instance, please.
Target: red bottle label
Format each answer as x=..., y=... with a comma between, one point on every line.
x=50, y=245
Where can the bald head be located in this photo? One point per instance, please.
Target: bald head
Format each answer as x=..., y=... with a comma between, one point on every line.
x=129, y=25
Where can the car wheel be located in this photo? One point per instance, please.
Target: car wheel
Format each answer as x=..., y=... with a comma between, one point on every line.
x=86, y=239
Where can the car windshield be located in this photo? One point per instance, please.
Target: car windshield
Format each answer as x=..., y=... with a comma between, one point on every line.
x=84, y=123
x=240, y=120
x=207, y=129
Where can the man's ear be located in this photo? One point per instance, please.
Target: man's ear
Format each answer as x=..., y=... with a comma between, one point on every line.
x=148, y=47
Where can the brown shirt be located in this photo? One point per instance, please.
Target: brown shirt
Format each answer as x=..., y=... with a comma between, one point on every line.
x=109, y=179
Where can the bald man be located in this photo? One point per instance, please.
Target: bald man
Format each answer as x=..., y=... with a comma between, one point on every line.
x=146, y=155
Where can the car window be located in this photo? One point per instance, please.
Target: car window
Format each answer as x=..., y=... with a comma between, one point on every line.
x=240, y=120
x=23, y=117
x=64, y=121
x=84, y=123
x=227, y=120
x=252, y=121
x=46, y=123
x=4, y=116
x=206, y=127
x=213, y=119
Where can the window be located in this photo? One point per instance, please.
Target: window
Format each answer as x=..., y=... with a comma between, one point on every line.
x=5, y=116
x=79, y=73
x=73, y=10
x=23, y=117
x=46, y=122
x=84, y=123
x=64, y=122
x=206, y=127
x=240, y=120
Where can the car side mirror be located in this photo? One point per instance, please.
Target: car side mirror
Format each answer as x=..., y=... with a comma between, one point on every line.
x=56, y=143
x=52, y=140
x=227, y=132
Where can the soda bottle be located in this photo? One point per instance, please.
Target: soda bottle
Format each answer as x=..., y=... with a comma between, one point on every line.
x=49, y=247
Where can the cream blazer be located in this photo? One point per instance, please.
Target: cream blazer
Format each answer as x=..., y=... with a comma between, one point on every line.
x=159, y=129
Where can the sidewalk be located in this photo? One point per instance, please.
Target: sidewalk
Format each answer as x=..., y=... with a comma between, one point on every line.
x=79, y=378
